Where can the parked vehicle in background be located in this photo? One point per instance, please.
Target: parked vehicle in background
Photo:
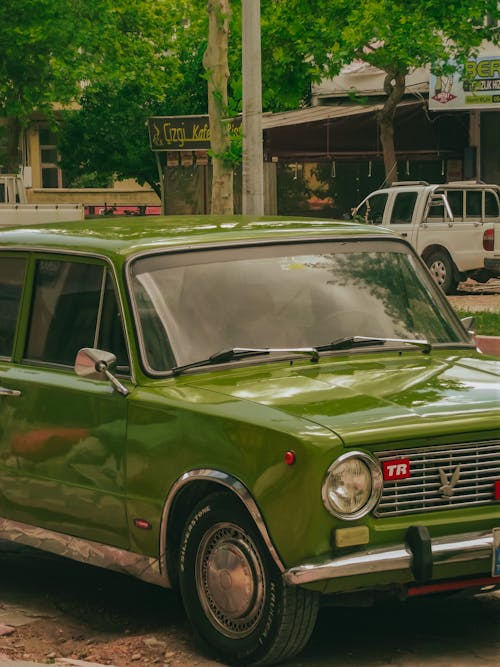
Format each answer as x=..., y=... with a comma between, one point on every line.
x=455, y=227
x=262, y=415
x=15, y=210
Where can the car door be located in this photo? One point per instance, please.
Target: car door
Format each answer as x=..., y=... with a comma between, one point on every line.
x=67, y=433
x=462, y=236
x=12, y=272
x=371, y=210
x=402, y=217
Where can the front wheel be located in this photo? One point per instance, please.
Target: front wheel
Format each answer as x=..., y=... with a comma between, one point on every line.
x=233, y=592
x=442, y=270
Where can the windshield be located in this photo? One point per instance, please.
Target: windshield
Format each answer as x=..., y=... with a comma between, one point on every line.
x=190, y=305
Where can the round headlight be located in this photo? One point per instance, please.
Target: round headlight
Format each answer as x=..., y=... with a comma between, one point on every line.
x=352, y=485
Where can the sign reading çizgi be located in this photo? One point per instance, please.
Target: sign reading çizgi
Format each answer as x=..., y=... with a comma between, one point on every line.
x=178, y=133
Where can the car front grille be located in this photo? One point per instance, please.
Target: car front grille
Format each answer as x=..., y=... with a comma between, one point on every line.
x=474, y=467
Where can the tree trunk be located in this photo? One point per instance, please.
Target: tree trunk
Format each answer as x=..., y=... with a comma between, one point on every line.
x=216, y=65
x=13, y=140
x=394, y=87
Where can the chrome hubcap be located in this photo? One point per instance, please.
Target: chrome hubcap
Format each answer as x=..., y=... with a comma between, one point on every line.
x=229, y=580
x=438, y=271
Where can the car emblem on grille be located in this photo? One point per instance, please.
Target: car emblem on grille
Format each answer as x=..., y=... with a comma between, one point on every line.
x=448, y=485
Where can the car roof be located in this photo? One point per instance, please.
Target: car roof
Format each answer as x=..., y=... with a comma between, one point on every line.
x=116, y=236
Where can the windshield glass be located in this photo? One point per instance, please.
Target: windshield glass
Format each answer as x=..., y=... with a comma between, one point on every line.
x=190, y=305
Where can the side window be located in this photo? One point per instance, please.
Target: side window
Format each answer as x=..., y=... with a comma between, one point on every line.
x=74, y=306
x=491, y=205
x=373, y=209
x=66, y=297
x=11, y=284
x=473, y=204
x=404, y=205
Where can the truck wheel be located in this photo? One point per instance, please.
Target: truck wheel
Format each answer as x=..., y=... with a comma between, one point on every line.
x=232, y=591
x=442, y=270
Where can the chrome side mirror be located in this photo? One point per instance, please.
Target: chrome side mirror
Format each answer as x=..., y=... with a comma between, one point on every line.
x=469, y=324
x=94, y=364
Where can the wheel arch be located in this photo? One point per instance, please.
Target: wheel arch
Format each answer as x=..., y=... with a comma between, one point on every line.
x=437, y=247
x=185, y=493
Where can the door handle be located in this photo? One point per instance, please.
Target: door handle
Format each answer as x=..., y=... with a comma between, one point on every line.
x=9, y=392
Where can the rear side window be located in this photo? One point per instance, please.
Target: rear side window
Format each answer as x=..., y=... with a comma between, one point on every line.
x=473, y=204
x=456, y=201
x=404, y=205
x=11, y=284
x=74, y=306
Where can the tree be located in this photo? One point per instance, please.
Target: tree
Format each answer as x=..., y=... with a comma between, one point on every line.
x=106, y=136
x=394, y=36
x=216, y=65
x=51, y=49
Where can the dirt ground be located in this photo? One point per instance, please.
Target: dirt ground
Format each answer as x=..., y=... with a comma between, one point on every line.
x=53, y=609
x=66, y=613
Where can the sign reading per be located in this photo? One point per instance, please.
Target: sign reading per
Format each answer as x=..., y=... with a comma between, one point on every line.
x=397, y=469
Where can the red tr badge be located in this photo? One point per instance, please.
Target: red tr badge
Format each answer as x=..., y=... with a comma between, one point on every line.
x=397, y=469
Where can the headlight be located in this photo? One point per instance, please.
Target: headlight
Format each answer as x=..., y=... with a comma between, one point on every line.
x=352, y=486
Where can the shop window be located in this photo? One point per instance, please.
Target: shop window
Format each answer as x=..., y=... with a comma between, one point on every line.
x=51, y=174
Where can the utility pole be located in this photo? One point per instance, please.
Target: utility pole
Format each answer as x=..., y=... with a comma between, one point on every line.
x=253, y=154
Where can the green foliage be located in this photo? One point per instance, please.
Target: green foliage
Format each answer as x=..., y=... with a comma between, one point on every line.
x=392, y=35
x=107, y=135
x=142, y=58
x=487, y=323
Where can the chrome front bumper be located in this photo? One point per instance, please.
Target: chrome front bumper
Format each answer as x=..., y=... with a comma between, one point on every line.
x=440, y=551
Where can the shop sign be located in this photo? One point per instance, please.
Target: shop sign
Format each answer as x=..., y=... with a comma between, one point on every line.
x=475, y=85
x=184, y=133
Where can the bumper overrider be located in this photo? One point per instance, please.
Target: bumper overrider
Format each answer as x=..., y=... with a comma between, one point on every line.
x=419, y=554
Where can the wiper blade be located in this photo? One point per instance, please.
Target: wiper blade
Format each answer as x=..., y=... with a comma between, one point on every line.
x=232, y=353
x=358, y=341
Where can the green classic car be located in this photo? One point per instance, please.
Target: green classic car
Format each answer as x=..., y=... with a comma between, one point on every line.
x=261, y=413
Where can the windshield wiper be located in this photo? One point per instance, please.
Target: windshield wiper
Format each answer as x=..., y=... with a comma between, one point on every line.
x=358, y=341
x=233, y=353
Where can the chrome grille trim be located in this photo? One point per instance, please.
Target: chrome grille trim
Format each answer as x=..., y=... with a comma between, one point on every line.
x=479, y=469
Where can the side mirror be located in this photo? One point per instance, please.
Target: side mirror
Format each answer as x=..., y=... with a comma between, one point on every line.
x=469, y=324
x=94, y=364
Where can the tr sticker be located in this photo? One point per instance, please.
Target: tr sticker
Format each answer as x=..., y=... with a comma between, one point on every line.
x=397, y=469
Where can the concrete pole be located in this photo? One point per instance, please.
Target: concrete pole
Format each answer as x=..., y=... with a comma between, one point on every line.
x=253, y=154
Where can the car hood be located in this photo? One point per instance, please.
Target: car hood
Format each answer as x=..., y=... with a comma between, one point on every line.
x=375, y=398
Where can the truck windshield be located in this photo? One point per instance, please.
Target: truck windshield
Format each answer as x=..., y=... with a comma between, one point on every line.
x=190, y=305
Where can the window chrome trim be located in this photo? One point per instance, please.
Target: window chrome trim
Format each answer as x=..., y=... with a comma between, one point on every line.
x=31, y=251
x=85, y=551
x=326, y=235
x=227, y=481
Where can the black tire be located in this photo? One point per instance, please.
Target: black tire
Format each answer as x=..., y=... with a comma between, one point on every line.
x=233, y=593
x=443, y=271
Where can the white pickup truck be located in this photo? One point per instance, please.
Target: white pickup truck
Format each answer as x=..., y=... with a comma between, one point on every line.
x=455, y=227
x=14, y=209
